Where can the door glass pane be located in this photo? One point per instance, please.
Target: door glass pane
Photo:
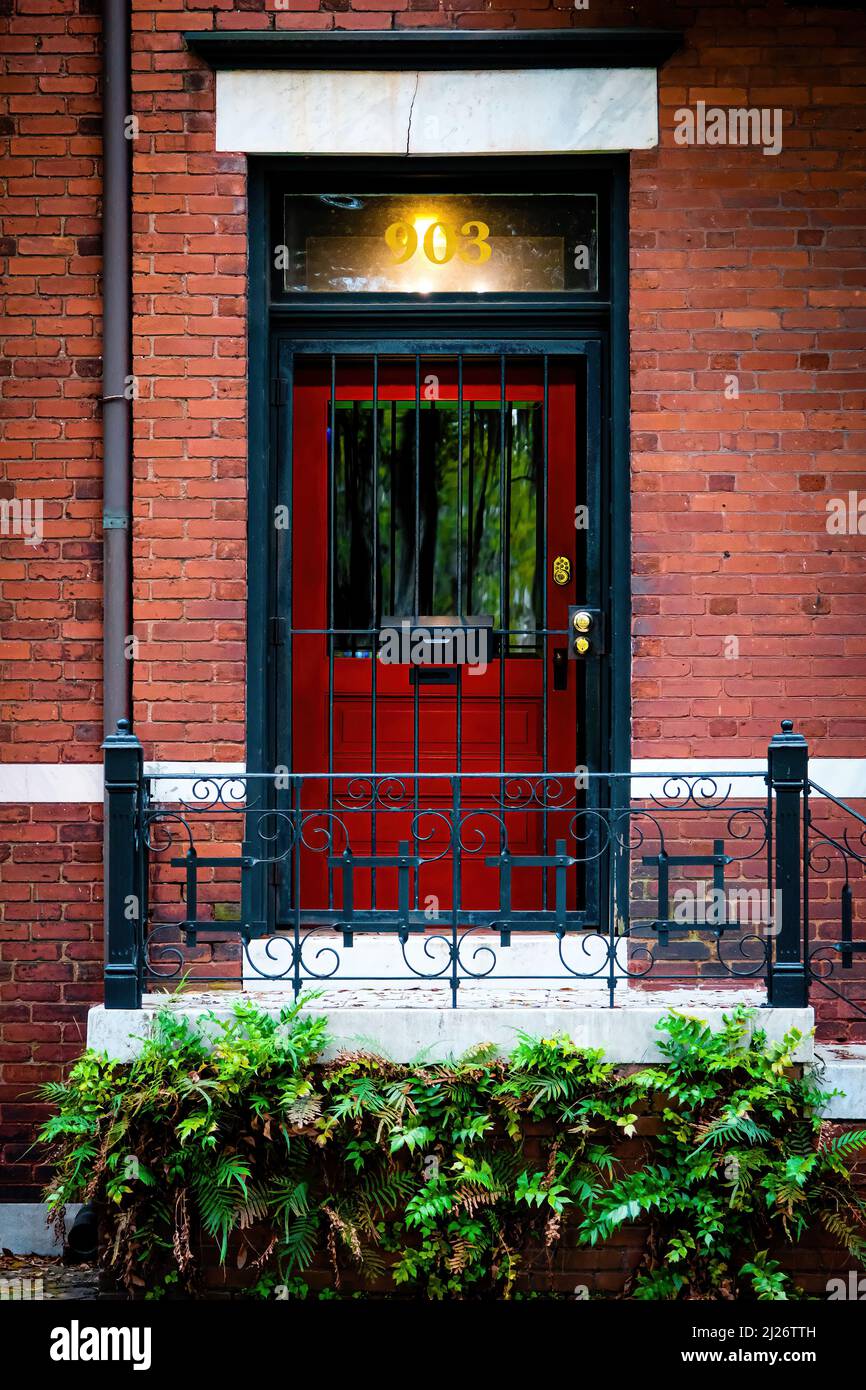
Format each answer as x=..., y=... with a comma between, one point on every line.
x=465, y=540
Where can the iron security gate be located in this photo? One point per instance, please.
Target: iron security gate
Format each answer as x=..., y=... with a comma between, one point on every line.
x=438, y=613
x=710, y=879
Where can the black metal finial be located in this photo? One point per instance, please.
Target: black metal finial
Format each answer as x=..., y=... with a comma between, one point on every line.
x=124, y=726
x=787, y=726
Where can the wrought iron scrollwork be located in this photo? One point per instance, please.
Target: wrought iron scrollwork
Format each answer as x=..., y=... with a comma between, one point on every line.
x=443, y=881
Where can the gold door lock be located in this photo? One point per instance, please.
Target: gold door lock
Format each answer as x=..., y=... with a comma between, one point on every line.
x=587, y=631
x=561, y=569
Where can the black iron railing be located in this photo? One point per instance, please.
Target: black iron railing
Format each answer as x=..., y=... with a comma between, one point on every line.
x=599, y=883
x=835, y=886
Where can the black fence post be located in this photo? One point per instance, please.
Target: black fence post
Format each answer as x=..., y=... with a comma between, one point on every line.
x=124, y=903
x=788, y=771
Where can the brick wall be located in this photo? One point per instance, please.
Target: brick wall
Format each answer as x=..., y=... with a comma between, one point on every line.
x=50, y=603
x=50, y=370
x=742, y=265
x=50, y=965
x=571, y=1270
x=750, y=265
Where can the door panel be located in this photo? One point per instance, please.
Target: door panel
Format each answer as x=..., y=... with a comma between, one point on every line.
x=427, y=489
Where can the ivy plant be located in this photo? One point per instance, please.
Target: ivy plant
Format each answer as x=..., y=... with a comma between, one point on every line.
x=234, y=1142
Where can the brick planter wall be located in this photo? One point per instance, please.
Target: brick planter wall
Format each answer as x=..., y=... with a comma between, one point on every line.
x=568, y=1268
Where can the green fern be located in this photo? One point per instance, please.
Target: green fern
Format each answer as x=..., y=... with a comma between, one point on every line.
x=453, y=1179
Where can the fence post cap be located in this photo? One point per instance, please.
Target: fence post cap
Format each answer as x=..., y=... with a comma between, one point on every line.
x=123, y=755
x=787, y=756
x=123, y=736
x=787, y=738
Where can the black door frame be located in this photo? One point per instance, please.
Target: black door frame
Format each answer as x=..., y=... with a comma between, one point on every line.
x=367, y=319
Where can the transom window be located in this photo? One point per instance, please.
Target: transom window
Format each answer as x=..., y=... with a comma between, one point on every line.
x=544, y=243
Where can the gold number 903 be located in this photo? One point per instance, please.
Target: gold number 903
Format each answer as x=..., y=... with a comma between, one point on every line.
x=439, y=242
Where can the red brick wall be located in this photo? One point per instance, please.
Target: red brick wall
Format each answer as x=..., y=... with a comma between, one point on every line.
x=50, y=369
x=50, y=601
x=753, y=265
x=741, y=264
x=50, y=965
x=572, y=1270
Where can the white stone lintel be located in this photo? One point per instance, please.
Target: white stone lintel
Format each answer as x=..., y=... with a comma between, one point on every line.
x=527, y=111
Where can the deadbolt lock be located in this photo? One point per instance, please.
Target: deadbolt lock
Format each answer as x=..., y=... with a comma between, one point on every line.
x=561, y=569
x=586, y=627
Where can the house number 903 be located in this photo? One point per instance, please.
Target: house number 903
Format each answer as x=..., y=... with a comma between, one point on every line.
x=440, y=242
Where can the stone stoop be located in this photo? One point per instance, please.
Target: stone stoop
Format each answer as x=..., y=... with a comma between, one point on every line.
x=413, y=1026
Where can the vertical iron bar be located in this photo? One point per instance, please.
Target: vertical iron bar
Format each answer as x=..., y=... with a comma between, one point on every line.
x=470, y=513
x=560, y=888
x=611, y=852
x=374, y=623
x=664, y=894
x=847, y=935
x=805, y=856
x=502, y=573
x=417, y=485
x=502, y=582
x=770, y=866
x=456, y=884
x=351, y=479
x=416, y=689
x=392, y=516
x=332, y=502
x=460, y=607
x=297, y=830
x=509, y=442
x=191, y=884
x=545, y=650
x=286, y=588
x=456, y=876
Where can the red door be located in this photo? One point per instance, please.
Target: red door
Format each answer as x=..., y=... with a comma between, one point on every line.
x=429, y=491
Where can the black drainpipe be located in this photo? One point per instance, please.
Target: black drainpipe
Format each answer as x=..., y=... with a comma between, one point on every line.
x=116, y=361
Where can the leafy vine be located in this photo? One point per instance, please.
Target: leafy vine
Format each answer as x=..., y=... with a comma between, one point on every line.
x=237, y=1144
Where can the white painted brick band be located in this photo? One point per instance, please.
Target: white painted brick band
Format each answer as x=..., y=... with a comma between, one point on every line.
x=77, y=783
